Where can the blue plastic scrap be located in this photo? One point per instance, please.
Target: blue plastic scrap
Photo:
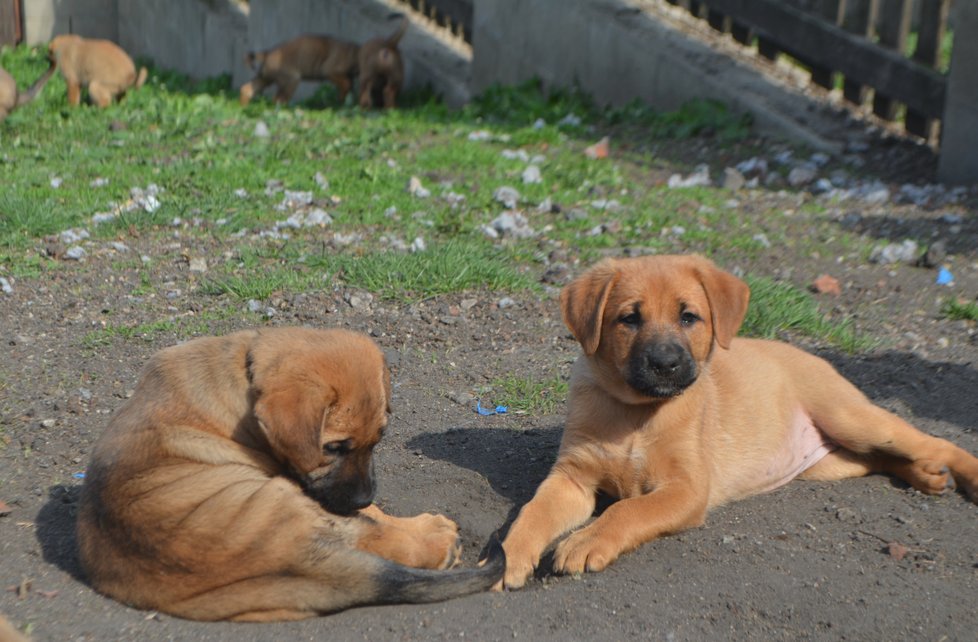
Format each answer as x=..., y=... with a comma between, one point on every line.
x=499, y=410
x=944, y=277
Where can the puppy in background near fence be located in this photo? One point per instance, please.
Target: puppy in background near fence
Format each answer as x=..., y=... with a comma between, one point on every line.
x=100, y=66
x=237, y=484
x=672, y=415
x=382, y=70
x=10, y=98
x=306, y=57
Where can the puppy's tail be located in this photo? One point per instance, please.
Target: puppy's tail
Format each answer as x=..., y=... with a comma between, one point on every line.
x=403, y=584
x=38, y=85
x=141, y=78
x=395, y=37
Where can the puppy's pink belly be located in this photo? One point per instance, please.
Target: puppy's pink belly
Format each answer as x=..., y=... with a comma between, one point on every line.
x=804, y=446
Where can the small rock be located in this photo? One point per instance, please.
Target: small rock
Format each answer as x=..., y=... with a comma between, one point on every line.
x=512, y=224
x=461, y=398
x=468, y=304
x=905, y=252
x=934, y=255
x=198, y=264
x=56, y=182
x=5, y=286
x=801, y=175
x=506, y=195
x=418, y=245
x=360, y=301
x=532, y=175
x=261, y=130
x=733, y=180
x=699, y=178
x=75, y=253
x=570, y=120
x=480, y=135
x=254, y=306
x=505, y=302
x=415, y=188
x=321, y=181
x=48, y=423
x=99, y=182
x=755, y=167
x=557, y=274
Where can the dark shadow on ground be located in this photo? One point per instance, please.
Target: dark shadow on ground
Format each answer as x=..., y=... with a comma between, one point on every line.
x=56, y=529
x=935, y=390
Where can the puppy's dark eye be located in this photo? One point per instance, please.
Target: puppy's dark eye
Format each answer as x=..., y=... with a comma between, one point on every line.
x=336, y=447
x=632, y=318
x=688, y=319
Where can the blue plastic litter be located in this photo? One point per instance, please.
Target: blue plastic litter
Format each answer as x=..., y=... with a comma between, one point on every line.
x=944, y=277
x=498, y=410
x=79, y=475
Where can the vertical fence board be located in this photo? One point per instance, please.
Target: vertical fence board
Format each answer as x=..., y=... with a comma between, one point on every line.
x=893, y=25
x=823, y=76
x=860, y=15
x=930, y=36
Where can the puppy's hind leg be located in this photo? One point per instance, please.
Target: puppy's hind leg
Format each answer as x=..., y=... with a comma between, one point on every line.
x=101, y=94
x=883, y=442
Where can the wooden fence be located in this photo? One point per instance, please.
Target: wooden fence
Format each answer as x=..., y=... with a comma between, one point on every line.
x=861, y=43
x=10, y=29
x=455, y=15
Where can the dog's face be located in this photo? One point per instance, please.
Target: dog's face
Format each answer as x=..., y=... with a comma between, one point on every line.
x=649, y=324
x=322, y=400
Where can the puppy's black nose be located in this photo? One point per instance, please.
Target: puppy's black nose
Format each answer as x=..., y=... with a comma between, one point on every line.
x=665, y=358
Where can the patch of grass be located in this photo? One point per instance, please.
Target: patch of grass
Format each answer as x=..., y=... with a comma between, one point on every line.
x=258, y=285
x=449, y=267
x=531, y=395
x=106, y=335
x=958, y=310
x=777, y=308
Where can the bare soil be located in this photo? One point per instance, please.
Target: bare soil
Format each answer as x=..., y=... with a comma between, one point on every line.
x=861, y=559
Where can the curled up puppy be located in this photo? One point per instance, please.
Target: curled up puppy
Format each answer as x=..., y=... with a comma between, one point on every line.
x=237, y=483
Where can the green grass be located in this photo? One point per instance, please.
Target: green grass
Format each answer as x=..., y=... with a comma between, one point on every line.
x=958, y=310
x=778, y=308
x=530, y=395
x=59, y=166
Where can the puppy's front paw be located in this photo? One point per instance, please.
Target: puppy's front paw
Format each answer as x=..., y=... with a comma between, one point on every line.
x=518, y=571
x=583, y=551
x=438, y=537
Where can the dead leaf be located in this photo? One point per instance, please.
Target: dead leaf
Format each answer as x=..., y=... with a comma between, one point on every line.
x=49, y=594
x=827, y=284
x=897, y=550
x=599, y=149
x=23, y=588
x=5, y=508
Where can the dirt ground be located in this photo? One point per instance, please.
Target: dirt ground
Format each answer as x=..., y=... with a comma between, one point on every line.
x=862, y=559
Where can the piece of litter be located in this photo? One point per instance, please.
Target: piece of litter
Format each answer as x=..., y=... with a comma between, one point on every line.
x=78, y=475
x=598, y=150
x=485, y=412
x=944, y=277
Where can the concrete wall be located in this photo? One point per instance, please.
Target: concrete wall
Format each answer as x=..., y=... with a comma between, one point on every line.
x=959, y=130
x=618, y=53
x=44, y=19
x=428, y=62
x=202, y=39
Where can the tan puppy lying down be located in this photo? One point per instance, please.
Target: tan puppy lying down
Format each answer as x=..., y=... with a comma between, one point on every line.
x=237, y=484
x=672, y=414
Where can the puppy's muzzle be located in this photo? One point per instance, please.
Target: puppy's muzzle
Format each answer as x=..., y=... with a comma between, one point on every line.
x=345, y=489
x=661, y=369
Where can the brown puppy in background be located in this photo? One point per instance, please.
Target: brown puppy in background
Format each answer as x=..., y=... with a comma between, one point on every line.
x=100, y=66
x=674, y=416
x=381, y=70
x=308, y=57
x=10, y=98
x=237, y=484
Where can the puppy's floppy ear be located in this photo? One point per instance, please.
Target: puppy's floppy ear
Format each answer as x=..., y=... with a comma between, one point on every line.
x=292, y=416
x=583, y=300
x=728, y=298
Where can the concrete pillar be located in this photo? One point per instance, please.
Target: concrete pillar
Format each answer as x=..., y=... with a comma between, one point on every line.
x=958, y=162
x=44, y=19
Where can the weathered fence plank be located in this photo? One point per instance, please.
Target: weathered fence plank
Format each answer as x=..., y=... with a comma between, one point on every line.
x=858, y=59
x=930, y=36
x=892, y=27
